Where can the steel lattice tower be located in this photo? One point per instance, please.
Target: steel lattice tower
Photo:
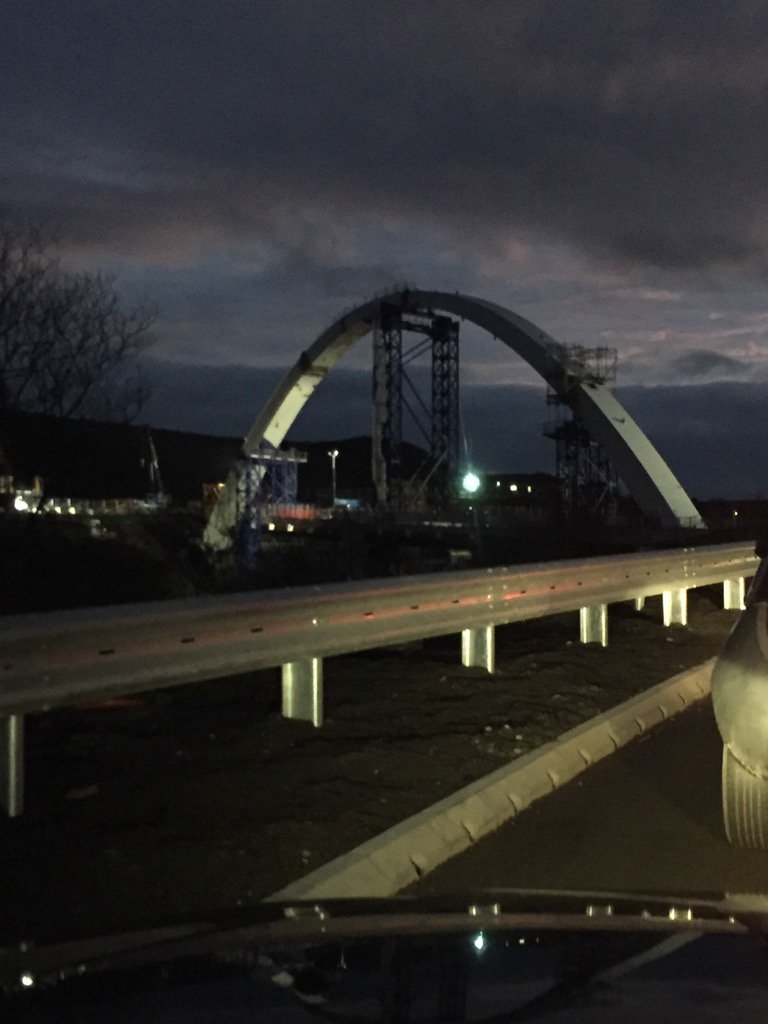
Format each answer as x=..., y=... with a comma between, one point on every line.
x=445, y=409
x=267, y=481
x=589, y=485
x=436, y=417
x=388, y=406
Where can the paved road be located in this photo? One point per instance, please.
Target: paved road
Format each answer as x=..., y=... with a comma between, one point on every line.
x=647, y=819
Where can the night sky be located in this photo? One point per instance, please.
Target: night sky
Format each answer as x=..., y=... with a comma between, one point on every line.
x=255, y=168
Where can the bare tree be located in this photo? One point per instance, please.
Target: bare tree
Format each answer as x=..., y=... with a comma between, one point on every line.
x=67, y=347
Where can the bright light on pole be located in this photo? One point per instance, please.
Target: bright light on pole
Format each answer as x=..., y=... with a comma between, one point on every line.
x=471, y=482
x=333, y=455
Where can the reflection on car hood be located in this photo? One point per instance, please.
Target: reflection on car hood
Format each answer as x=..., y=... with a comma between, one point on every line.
x=502, y=955
x=307, y=921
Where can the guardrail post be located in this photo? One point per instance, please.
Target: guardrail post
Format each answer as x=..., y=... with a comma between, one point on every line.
x=12, y=764
x=733, y=593
x=478, y=648
x=593, y=624
x=639, y=604
x=675, y=607
x=303, y=690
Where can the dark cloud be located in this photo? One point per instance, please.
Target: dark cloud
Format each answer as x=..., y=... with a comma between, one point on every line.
x=206, y=398
x=227, y=399
x=713, y=436
x=704, y=363
x=254, y=167
x=631, y=130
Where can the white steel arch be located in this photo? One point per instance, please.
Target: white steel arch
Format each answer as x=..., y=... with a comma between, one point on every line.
x=645, y=473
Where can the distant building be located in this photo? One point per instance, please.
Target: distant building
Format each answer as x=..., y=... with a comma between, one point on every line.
x=520, y=490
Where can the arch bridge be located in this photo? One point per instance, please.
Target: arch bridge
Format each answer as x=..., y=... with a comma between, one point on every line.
x=646, y=475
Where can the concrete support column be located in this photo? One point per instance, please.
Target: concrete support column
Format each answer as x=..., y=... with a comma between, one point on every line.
x=593, y=624
x=12, y=764
x=733, y=593
x=303, y=690
x=478, y=648
x=675, y=607
x=639, y=604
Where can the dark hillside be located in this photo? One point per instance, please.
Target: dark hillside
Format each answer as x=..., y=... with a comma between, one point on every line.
x=89, y=459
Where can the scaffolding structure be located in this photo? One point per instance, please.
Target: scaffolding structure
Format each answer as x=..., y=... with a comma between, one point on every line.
x=396, y=398
x=444, y=448
x=589, y=485
x=267, y=485
x=583, y=365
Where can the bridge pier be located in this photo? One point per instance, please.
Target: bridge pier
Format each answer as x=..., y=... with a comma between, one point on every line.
x=12, y=764
x=733, y=593
x=478, y=648
x=303, y=690
x=639, y=604
x=593, y=624
x=675, y=607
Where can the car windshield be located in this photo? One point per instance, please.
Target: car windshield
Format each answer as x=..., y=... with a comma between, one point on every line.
x=381, y=458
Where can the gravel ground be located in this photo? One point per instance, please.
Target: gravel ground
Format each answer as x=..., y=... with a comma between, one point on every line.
x=199, y=798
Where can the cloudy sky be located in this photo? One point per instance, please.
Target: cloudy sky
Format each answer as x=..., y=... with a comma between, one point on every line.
x=254, y=168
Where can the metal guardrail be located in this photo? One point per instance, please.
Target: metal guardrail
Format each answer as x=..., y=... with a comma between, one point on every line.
x=59, y=658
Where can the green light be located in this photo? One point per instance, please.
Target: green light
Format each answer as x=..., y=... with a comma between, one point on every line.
x=471, y=482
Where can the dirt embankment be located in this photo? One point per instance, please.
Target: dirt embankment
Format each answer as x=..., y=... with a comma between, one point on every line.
x=51, y=562
x=60, y=561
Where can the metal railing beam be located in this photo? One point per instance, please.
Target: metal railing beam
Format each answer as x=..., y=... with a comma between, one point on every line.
x=593, y=624
x=478, y=648
x=12, y=764
x=675, y=607
x=60, y=658
x=303, y=690
x=734, y=593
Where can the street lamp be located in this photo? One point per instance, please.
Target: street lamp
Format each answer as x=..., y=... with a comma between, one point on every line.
x=333, y=455
x=471, y=482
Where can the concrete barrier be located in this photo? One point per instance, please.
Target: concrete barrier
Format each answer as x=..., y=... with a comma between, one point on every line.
x=403, y=854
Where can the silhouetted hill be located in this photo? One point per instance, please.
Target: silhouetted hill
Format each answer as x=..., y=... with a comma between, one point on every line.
x=89, y=459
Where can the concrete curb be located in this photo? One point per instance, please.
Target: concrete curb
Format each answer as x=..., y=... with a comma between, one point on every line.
x=403, y=854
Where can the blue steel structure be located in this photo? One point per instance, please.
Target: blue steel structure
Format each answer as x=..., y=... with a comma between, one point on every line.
x=266, y=480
